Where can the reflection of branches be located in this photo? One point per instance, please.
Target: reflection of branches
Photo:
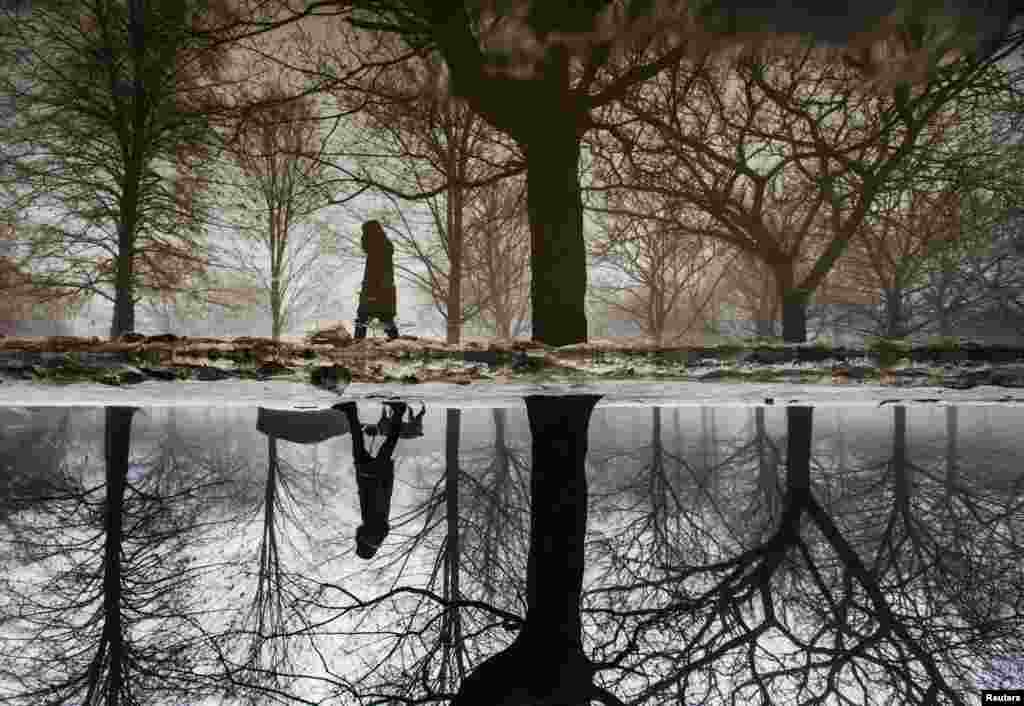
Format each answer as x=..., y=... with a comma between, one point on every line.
x=498, y=524
x=470, y=528
x=801, y=617
x=507, y=619
x=97, y=613
x=267, y=625
x=413, y=647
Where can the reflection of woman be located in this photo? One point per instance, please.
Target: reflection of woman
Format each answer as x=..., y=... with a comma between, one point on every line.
x=375, y=478
x=377, y=298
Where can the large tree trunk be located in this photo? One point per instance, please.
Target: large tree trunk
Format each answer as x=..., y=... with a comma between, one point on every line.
x=559, y=269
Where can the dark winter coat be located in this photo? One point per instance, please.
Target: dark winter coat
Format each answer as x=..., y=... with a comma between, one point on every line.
x=375, y=481
x=378, y=296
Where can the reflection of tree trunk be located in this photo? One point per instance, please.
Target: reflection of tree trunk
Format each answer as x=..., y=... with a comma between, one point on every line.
x=451, y=626
x=901, y=469
x=546, y=661
x=558, y=514
x=951, y=451
x=798, y=454
x=658, y=487
x=842, y=448
x=118, y=425
x=492, y=521
x=266, y=652
x=709, y=450
x=767, y=471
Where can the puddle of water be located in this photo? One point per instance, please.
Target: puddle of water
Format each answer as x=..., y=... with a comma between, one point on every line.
x=216, y=548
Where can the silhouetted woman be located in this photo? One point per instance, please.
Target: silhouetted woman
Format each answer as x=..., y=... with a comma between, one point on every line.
x=378, y=296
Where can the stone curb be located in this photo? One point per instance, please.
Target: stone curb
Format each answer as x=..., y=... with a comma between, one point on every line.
x=113, y=369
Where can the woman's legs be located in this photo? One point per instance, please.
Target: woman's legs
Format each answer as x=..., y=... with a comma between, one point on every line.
x=362, y=319
x=363, y=316
x=394, y=429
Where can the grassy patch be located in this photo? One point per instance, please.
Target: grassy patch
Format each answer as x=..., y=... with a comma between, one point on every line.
x=943, y=343
x=71, y=370
x=890, y=351
x=144, y=358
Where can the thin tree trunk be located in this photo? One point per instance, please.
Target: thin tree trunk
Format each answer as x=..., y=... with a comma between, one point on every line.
x=124, y=308
x=455, y=204
x=894, y=313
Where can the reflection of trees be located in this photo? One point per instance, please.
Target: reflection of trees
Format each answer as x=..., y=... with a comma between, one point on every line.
x=260, y=647
x=953, y=545
x=814, y=610
x=745, y=565
x=677, y=484
x=465, y=537
x=97, y=608
x=39, y=435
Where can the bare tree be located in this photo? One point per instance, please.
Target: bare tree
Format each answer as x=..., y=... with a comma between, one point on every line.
x=943, y=210
x=669, y=281
x=497, y=260
x=500, y=57
x=104, y=93
x=785, y=152
x=276, y=152
x=104, y=561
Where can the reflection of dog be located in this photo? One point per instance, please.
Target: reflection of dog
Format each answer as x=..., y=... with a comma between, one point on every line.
x=410, y=429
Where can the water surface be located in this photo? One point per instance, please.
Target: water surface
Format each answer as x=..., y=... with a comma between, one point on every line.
x=682, y=554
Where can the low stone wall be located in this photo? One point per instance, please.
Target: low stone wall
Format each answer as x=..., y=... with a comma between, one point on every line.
x=133, y=359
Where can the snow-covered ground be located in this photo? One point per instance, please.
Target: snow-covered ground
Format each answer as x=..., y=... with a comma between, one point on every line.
x=462, y=384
